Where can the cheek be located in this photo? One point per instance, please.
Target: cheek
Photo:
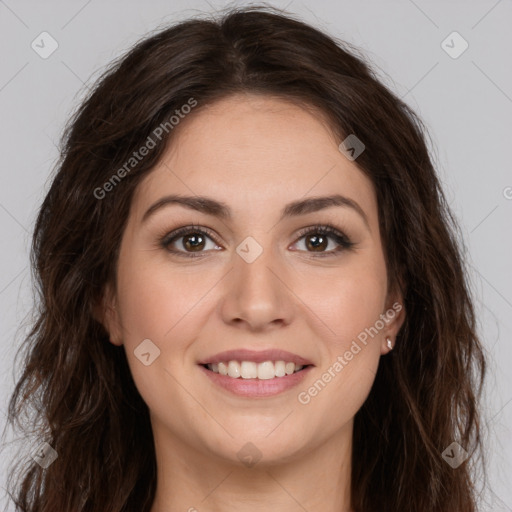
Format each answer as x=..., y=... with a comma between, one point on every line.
x=352, y=301
x=350, y=306
x=153, y=301
x=351, y=355
x=158, y=305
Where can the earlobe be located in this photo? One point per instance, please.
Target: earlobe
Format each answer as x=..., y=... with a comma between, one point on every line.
x=395, y=313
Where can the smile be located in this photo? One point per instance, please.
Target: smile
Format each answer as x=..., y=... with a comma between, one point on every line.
x=266, y=386
x=252, y=370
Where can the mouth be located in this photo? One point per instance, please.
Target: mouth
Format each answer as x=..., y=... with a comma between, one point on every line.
x=255, y=374
x=250, y=370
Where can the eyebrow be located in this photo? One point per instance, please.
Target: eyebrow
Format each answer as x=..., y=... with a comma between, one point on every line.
x=221, y=210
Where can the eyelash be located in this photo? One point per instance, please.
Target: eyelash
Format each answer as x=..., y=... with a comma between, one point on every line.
x=340, y=238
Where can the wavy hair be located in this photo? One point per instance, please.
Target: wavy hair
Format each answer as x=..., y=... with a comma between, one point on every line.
x=76, y=388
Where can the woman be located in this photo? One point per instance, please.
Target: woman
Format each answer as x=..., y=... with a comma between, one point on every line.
x=251, y=290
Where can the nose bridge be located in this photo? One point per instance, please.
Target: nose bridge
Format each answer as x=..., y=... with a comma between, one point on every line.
x=256, y=293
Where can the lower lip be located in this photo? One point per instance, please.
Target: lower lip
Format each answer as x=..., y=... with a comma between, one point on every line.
x=256, y=388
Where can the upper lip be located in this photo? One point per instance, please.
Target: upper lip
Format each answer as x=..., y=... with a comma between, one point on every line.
x=257, y=356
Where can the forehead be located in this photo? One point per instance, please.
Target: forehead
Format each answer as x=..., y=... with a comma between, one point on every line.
x=258, y=151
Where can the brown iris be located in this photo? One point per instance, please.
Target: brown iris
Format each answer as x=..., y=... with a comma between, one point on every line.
x=316, y=244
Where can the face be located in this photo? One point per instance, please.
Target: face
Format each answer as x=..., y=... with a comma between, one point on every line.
x=259, y=267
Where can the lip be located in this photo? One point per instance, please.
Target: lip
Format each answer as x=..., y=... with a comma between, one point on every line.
x=256, y=388
x=256, y=356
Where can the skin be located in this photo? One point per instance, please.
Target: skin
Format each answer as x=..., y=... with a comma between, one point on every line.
x=256, y=154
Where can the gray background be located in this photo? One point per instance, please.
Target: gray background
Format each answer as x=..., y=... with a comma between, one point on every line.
x=466, y=103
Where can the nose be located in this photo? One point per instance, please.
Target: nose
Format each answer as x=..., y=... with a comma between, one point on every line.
x=257, y=295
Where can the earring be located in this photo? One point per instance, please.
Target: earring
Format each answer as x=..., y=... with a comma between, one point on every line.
x=389, y=343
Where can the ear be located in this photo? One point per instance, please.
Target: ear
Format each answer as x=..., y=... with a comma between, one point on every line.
x=106, y=313
x=394, y=317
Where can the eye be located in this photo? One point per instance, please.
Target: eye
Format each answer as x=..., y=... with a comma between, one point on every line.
x=194, y=239
x=317, y=240
x=188, y=240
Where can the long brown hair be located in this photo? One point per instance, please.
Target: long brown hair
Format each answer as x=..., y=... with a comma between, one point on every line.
x=78, y=385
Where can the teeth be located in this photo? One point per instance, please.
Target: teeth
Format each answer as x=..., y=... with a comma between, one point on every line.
x=233, y=369
x=266, y=370
x=280, y=368
x=250, y=370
